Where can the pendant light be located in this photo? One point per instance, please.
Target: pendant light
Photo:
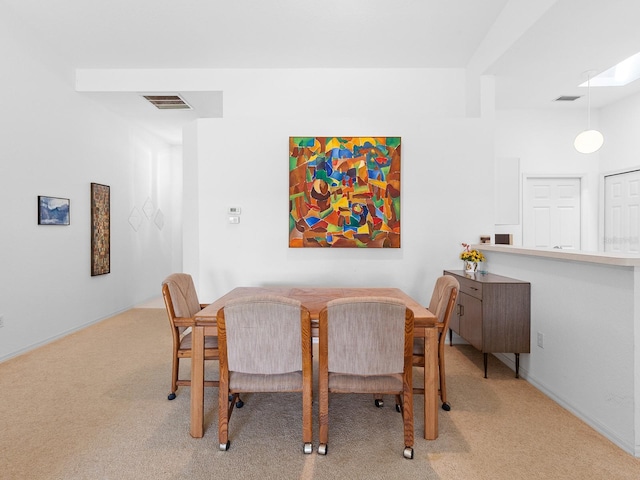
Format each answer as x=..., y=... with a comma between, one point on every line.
x=588, y=141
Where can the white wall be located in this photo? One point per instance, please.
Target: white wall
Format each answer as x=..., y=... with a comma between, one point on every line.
x=397, y=94
x=56, y=142
x=586, y=313
x=620, y=124
x=543, y=142
x=242, y=160
x=587, y=366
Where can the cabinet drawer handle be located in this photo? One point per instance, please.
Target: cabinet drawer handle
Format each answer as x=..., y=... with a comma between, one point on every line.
x=474, y=288
x=460, y=310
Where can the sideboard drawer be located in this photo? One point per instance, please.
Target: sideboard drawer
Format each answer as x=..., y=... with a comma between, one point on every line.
x=470, y=287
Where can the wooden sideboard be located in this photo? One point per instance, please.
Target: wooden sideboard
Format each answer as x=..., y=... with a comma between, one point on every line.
x=493, y=314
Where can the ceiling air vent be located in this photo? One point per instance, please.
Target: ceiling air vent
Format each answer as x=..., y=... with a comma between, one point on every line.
x=567, y=98
x=168, y=102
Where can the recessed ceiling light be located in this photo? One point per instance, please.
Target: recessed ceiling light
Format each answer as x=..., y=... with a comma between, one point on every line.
x=619, y=75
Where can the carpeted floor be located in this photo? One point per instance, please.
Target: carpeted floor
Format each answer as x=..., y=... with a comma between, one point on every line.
x=94, y=405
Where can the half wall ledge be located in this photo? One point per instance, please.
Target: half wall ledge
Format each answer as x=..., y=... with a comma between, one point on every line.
x=605, y=258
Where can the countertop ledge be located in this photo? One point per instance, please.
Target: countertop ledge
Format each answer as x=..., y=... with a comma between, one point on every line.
x=606, y=258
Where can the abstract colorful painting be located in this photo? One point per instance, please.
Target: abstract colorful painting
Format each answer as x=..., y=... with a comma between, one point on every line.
x=344, y=192
x=100, y=229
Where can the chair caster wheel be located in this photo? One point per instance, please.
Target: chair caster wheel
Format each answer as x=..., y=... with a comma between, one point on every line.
x=398, y=408
x=446, y=407
x=322, y=449
x=307, y=448
x=379, y=402
x=225, y=446
x=171, y=396
x=408, y=453
x=239, y=404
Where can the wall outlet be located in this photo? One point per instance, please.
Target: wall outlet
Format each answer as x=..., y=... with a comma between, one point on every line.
x=540, y=340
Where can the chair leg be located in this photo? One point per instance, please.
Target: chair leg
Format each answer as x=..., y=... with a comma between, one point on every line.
x=407, y=418
x=307, y=414
x=323, y=413
x=323, y=416
x=443, y=383
x=399, y=402
x=307, y=428
x=174, y=376
x=323, y=390
x=224, y=406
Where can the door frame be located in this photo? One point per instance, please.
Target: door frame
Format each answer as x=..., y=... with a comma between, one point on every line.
x=583, y=177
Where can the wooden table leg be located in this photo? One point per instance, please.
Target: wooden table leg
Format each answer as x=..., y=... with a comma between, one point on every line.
x=431, y=383
x=197, y=382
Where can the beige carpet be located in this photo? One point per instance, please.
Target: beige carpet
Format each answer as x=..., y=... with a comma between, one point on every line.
x=94, y=405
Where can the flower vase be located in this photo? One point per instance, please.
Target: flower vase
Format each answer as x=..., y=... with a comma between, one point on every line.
x=470, y=267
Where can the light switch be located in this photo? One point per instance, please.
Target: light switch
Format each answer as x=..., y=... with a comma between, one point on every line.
x=234, y=219
x=234, y=210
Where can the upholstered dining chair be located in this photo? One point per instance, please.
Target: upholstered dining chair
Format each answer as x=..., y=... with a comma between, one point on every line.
x=366, y=346
x=181, y=302
x=265, y=346
x=442, y=304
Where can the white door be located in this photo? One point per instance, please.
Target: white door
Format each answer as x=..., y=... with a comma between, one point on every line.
x=622, y=212
x=551, y=213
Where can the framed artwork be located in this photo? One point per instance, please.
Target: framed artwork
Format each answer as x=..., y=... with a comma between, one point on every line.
x=53, y=210
x=100, y=229
x=344, y=192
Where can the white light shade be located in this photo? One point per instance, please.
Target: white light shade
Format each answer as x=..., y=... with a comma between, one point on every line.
x=588, y=141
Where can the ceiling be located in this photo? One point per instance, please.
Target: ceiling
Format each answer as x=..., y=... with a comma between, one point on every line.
x=537, y=51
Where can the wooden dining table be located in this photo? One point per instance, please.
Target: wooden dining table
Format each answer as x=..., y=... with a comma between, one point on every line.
x=315, y=299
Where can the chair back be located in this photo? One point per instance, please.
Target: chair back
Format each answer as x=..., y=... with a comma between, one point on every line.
x=183, y=294
x=262, y=334
x=441, y=300
x=367, y=336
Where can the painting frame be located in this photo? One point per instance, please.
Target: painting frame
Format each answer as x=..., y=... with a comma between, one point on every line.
x=100, y=229
x=344, y=192
x=54, y=210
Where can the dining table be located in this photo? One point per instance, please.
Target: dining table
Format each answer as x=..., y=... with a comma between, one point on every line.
x=315, y=299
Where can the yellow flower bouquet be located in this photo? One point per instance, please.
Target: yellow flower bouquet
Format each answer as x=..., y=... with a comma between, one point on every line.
x=471, y=257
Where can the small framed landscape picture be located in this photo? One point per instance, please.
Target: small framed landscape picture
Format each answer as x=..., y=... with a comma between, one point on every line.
x=53, y=210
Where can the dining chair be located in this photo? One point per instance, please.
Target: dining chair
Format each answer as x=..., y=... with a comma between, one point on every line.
x=265, y=346
x=181, y=302
x=366, y=346
x=442, y=304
